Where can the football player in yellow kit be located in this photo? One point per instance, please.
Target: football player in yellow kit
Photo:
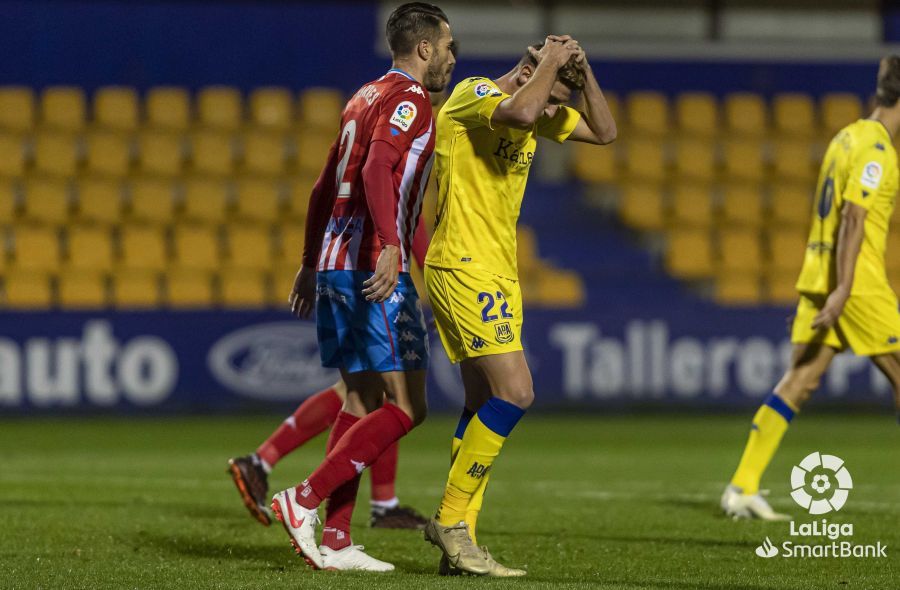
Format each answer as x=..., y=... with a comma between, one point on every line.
x=486, y=139
x=845, y=299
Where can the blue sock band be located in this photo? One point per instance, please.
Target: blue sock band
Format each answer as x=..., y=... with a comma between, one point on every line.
x=780, y=406
x=500, y=416
x=464, y=420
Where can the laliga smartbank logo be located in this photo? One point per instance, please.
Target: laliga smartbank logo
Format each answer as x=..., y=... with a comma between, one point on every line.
x=821, y=484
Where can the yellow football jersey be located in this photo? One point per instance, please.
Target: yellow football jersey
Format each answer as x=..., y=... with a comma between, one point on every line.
x=481, y=173
x=860, y=167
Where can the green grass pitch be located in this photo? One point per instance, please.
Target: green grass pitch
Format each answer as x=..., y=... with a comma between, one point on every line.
x=583, y=502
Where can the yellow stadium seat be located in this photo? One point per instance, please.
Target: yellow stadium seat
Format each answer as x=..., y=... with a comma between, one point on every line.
x=257, y=199
x=143, y=248
x=243, y=288
x=839, y=110
x=738, y=290
x=792, y=161
x=642, y=206
x=321, y=108
x=745, y=114
x=593, y=163
x=689, y=254
x=28, y=290
x=196, y=247
x=8, y=207
x=283, y=283
x=645, y=159
x=116, y=107
x=696, y=159
x=4, y=254
x=99, y=201
x=263, y=153
x=290, y=243
x=648, y=113
x=136, y=289
x=526, y=249
x=46, y=201
x=12, y=156
x=614, y=105
x=794, y=114
x=780, y=288
x=63, y=107
x=787, y=248
x=892, y=255
x=249, y=247
x=205, y=200
x=312, y=150
x=211, y=153
x=36, y=249
x=299, y=190
x=90, y=248
x=697, y=114
x=55, y=153
x=272, y=108
x=691, y=206
x=220, y=107
x=744, y=160
x=151, y=201
x=791, y=205
x=168, y=108
x=79, y=289
x=740, y=251
x=557, y=288
x=161, y=152
x=189, y=289
x=108, y=153
x=742, y=205
x=16, y=109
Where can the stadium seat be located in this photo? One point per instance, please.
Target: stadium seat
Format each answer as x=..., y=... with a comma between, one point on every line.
x=526, y=250
x=312, y=150
x=740, y=251
x=46, y=201
x=892, y=255
x=249, y=247
x=108, y=153
x=299, y=190
x=696, y=159
x=738, y=290
x=697, y=114
x=99, y=201
x=263, y=153
x=79, y=289
x=320, y=108
x=794, y=115
x=205, y=200
x=742, y=206
x=283, y=282
x=189, y=289
x=8, y=208
x=12, y=156
x=559, y=288
x=196, y=247
x=220, y=107
x=90, y=249
x=257, y=199
x=791, y=205
x=839, y=110
x=290, y=244
x=63, y=108
x=792, y=161
x=689, y=254
x=691, y=206
x=648, y=113
x=744, y=160
x=645, y=159
x=787, y=248
x=55, y=153
x=143, y=248
x=745, y=114
x=151, y=201
x=116, y=108
x=211, y=153
x=243, y=288
x=168, y=108
x=642, y=206
x=16, y=109
x=136, y=290
x=272, y=108
x=160, y=152
x=36, y=249
x=28, y=290
x=593, y=163
x=780, y=287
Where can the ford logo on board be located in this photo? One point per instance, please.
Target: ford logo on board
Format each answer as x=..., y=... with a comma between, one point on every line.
x=276, y=361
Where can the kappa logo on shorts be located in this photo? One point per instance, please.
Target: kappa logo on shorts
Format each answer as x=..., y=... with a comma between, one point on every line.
x=504, y=333
x=478, y=343
x=411, y=355
x=407, y=336
x=397, y=297
x=403, y=318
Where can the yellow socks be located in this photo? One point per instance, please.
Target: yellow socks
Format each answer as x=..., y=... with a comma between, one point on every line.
x=479, y=445
x=477, y=500
x=769, y=425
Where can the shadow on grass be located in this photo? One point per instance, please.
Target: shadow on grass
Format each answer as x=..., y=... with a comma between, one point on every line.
x=655, y=538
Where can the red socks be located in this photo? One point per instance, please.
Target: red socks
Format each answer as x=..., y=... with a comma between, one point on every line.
x=384, y=474
x=336, y=533
x=313, y=417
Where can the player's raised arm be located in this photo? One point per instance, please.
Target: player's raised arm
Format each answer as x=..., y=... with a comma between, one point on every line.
x=597, y=124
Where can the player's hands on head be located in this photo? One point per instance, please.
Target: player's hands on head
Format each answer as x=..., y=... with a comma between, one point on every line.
x=381, y=285
x=558, y=49
x=831, y=311
x=303, y=295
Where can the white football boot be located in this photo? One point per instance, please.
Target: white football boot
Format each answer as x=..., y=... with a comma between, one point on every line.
x=300, y=525
x=352, y=558
x=738, y=505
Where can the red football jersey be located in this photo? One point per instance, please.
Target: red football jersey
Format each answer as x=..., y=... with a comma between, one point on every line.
x=396, y=109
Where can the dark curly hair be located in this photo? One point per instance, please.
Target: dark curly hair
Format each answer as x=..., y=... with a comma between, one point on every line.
x=888, y=90
x=412, y=22
x=569, y=74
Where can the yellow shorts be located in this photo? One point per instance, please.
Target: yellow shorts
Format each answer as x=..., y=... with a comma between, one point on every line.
x=869, y=324
x=477, y=313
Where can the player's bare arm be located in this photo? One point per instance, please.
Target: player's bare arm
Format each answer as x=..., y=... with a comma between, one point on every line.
x=849, y=242
x=597, y=125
